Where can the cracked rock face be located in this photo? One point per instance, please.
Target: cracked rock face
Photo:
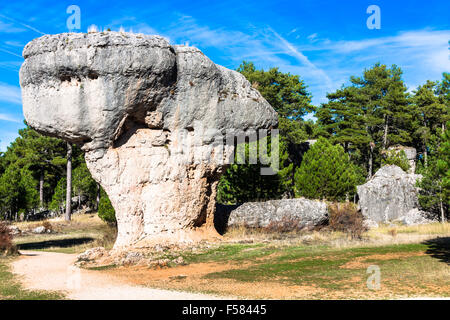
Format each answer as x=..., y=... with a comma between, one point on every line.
x=149, y=116
x=389, y=195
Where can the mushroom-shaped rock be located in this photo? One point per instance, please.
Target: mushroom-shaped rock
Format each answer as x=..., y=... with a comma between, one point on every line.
x=150, y=117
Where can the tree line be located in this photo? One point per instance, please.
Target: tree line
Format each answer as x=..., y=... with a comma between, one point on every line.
x=353, y=130
x=40, y=173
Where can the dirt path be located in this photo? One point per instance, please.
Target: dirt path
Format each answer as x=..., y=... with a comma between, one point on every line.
x=53, y=271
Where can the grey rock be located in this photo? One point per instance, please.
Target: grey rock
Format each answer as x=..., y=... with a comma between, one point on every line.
x=124, y=98
x=261, y=214
x=91, y=254
x=14, y=230
x=39, y=230
x=390, y=194
x=414, y=217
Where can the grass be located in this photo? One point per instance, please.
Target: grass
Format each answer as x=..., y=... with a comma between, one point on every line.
x=10, y=288
x=84, y=231
x=414, y=262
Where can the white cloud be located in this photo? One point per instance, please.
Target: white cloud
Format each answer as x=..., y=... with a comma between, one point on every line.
x=14, y=21
x=9, y=93
x=10, y=118
x=10, y=65
x=14, y=44
x=6, y=138
x=313, y=36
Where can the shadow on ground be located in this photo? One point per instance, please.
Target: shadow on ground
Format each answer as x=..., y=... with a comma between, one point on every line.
x=439, y=248
x=63, y=243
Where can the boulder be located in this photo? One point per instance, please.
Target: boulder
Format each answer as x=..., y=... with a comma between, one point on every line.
x=304, y=212
x=414, y=217
x=389, y=195
x=150, y=117
x=40, y=230
x=14, y=230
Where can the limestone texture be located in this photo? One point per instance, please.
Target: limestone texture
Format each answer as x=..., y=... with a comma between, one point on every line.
x=303, y=212
x=389, y=195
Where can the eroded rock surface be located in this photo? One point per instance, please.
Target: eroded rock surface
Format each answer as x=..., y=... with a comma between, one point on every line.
x=389, y=195
x=148, y=115
x=303, y=212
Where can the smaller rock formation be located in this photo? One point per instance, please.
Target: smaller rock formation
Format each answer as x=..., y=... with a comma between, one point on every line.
x=261, y=214
x=389, y=195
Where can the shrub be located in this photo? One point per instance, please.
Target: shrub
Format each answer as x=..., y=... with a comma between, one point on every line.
x=106, y=211
x=6, y=244
x=286, y=224
x=47, y=225
x=346, y=218
x=393, y=157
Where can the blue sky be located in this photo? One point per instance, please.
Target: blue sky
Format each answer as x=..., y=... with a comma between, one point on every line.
x=325, y=42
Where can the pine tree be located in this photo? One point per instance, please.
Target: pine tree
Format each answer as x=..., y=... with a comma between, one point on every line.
x=429, y=112
x=287, y=94
x=434, y=195
x=368, y=116
x=326, y=173
x=83, y=184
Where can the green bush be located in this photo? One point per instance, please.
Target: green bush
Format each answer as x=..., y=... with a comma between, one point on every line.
x=399, y=159
x=106, y=211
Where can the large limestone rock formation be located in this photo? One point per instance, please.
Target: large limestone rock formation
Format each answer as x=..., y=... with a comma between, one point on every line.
x=144, y=112
x=391, y=194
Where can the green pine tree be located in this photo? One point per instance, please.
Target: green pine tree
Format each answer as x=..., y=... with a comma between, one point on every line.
x=326, y=172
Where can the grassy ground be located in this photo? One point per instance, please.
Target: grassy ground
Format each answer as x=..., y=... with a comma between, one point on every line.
x=83, y=232
x=10, y=289
x=413, y=261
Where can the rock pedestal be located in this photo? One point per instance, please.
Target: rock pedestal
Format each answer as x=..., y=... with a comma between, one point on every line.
x=150, y=117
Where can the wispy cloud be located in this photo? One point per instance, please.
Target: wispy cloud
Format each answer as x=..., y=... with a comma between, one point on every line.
x=9, y=28
x=10, y=118
x=10, y=52
x=10, y=65
x=14, y=44
x=312, y=37
x=9, y=93
x=263, y=46
x=21, y=24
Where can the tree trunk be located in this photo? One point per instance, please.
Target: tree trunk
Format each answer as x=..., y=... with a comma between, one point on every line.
x=425, y=155
x=386, y=128
x=371, y=160
x=41, y=189
x=69, y=183
x=441, y=205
